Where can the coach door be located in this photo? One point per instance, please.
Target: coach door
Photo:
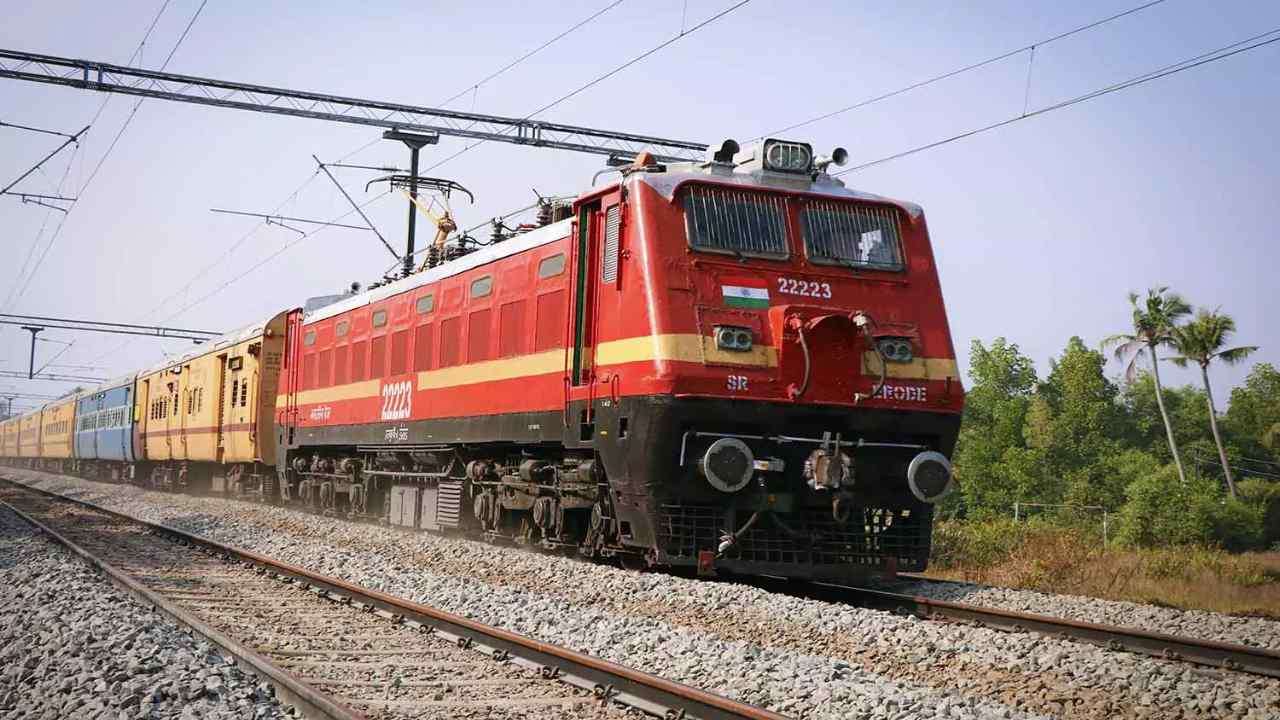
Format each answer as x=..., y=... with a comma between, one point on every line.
x=595, y=265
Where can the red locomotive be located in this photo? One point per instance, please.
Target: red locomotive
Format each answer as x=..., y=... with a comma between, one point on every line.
x=737, y=365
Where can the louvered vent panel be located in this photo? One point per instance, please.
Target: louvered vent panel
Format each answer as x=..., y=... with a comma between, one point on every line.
x=611, y=218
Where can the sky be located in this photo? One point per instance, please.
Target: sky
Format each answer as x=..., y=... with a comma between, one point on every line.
x=1041, y=228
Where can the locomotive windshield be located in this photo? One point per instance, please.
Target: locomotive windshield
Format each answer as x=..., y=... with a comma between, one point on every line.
x=733, y=221
x=842, y=234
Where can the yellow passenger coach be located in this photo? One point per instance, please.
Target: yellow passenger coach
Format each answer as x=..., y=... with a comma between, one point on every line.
x=212, y=405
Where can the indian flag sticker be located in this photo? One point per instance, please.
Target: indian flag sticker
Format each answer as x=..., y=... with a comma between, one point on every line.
x=745, y=292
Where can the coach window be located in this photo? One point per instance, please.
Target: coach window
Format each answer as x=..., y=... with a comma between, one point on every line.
x=379, y=318
x=551, y=266
x=426, y=303
x=481, y=287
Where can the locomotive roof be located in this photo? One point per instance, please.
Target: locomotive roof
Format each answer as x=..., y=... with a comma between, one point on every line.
x=483, y=256
x=668, y=182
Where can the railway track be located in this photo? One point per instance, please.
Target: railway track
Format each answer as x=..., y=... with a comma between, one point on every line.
x=339, y=652
x=1239, y=658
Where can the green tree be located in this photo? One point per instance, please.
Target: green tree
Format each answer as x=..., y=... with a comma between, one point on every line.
x=1143, y=427
x=1080, y=426
x=1002, y=380
x=1202, y=341
x=1254, y=415
x=1153, y=323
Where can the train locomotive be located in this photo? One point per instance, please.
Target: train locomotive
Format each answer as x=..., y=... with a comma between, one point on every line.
x=733, y=366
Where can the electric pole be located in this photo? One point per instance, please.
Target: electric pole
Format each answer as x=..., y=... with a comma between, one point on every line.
x=31, y=369
x=415, y=142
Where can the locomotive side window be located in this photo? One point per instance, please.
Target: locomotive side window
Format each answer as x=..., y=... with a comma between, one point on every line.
x=309, y=339
x=843, y=234
x=482, y=287
x=342, y=328
x=426, y=303
x=379, y=318
x=551, y=266
x=736, y=222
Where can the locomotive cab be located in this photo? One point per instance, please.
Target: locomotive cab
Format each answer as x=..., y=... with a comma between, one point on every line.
x=762, y=360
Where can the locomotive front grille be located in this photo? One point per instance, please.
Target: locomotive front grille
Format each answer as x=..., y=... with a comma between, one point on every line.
x=815, y=538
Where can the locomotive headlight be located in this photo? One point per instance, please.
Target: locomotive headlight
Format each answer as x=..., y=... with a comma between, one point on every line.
x=896, y=349
x=929, y=476
x=789, y=157
x=733, y=338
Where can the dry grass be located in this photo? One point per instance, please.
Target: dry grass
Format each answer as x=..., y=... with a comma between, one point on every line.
x=1072, y=561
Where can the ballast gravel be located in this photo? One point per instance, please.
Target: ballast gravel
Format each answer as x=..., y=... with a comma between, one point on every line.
x=1256, y=632
x=73, y=646
x=803, y=658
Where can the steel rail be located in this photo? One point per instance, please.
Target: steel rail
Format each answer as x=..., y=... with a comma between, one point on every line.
x=289, y=689
x=609, y=681
x=1212, y=653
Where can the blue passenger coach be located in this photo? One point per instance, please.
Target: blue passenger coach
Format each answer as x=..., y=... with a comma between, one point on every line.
x=104, y=427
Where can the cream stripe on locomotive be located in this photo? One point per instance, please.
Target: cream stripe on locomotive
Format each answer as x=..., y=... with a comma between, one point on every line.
x=917, y=369
x=673, y=347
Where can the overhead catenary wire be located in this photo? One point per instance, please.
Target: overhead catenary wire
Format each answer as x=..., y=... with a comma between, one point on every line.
x=601, y=78
x=1226, y=51
x=500, y=71
x=33, y=129
x=10, y=298
x=229, y=252
x=962, y=70
x=94, y=173
x=284, y=248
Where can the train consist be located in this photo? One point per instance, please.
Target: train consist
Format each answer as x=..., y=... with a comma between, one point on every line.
x=738, y=365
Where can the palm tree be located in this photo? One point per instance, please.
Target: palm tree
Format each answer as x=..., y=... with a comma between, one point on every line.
x=1200, y=341
x=1153, y=324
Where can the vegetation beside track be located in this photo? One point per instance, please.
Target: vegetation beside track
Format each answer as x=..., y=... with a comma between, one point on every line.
x=1039, y=555
x=1121, y=487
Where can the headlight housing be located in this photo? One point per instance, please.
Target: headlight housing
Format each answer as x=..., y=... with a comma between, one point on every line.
x=788, y=157
x=896, y=349
x=733, y=338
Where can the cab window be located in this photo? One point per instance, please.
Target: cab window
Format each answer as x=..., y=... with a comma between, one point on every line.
x=736, y=222
x=859, y=236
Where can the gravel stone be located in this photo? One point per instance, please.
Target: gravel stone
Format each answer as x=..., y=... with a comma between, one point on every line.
x=73, y=646
x=1256, y=632
x=799, y=657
